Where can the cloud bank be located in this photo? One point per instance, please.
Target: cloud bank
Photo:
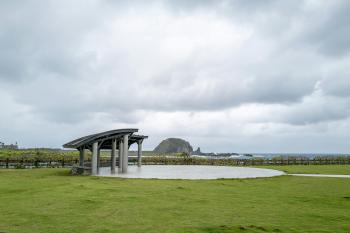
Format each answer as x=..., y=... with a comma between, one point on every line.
x=246, y=76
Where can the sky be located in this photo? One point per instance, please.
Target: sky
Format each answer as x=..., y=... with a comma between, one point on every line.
x=228, y=76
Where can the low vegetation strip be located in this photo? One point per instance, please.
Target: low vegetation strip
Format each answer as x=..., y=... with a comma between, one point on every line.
x=245, y=162
x=62, y=158
x=51, y=201
x=69, y=161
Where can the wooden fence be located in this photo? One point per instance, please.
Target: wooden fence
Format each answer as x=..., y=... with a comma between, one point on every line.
x=69, y=162
x=245, y=162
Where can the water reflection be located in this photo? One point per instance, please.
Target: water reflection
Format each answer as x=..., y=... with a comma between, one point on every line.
x=192, y=172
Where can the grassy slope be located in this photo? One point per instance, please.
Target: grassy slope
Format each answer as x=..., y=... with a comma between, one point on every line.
x=48, y=200
x=313, y=169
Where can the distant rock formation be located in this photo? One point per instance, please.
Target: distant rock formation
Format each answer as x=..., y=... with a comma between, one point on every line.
x=198, y=152
x=174, y=145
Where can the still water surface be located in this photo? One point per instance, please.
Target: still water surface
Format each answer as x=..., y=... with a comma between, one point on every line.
x=192, y=172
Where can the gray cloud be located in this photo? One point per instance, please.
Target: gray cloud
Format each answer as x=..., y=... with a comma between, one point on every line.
x=103, y=64
x=331, y=33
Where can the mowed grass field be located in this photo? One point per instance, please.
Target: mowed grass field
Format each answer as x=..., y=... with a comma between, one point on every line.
x=50, y=200
x=312, y=169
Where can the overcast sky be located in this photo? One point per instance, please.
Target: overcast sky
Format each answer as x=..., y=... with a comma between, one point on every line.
x=228, y=76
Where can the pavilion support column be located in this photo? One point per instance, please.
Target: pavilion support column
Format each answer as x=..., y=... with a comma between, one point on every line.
x=125, y=153
x=98, y=160
x=94, y=159
x=113, y=155
x=81, y=157
x=120, y=154
x=139, y=153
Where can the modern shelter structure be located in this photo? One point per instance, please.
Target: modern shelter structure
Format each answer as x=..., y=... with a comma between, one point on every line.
x=120, y=139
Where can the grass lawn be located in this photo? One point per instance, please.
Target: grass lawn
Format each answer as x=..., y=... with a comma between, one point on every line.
x=49, y=200
x=313, y=169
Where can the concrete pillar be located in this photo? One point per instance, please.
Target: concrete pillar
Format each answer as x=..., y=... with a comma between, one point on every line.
x=98, y=160
x=113, y=155
x=125, y=153
x=139, y=153
x=120, y=154
x=81, y=157
x=94, y=159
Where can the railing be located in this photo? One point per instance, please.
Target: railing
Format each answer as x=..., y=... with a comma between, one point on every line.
x=105, y=161
x=28, y=163
x=244, y=162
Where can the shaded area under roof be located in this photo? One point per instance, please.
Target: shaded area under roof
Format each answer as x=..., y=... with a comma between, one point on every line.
x=105, y=139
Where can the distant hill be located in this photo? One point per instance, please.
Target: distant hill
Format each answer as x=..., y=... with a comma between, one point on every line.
x=174, y=145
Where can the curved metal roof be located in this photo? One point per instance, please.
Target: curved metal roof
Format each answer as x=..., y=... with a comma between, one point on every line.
x=105, y=139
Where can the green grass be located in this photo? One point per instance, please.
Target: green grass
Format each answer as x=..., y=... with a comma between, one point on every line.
x=49, y=200
x=313, y=169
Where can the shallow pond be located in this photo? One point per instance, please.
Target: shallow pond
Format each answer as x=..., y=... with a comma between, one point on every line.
x=192, y=172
